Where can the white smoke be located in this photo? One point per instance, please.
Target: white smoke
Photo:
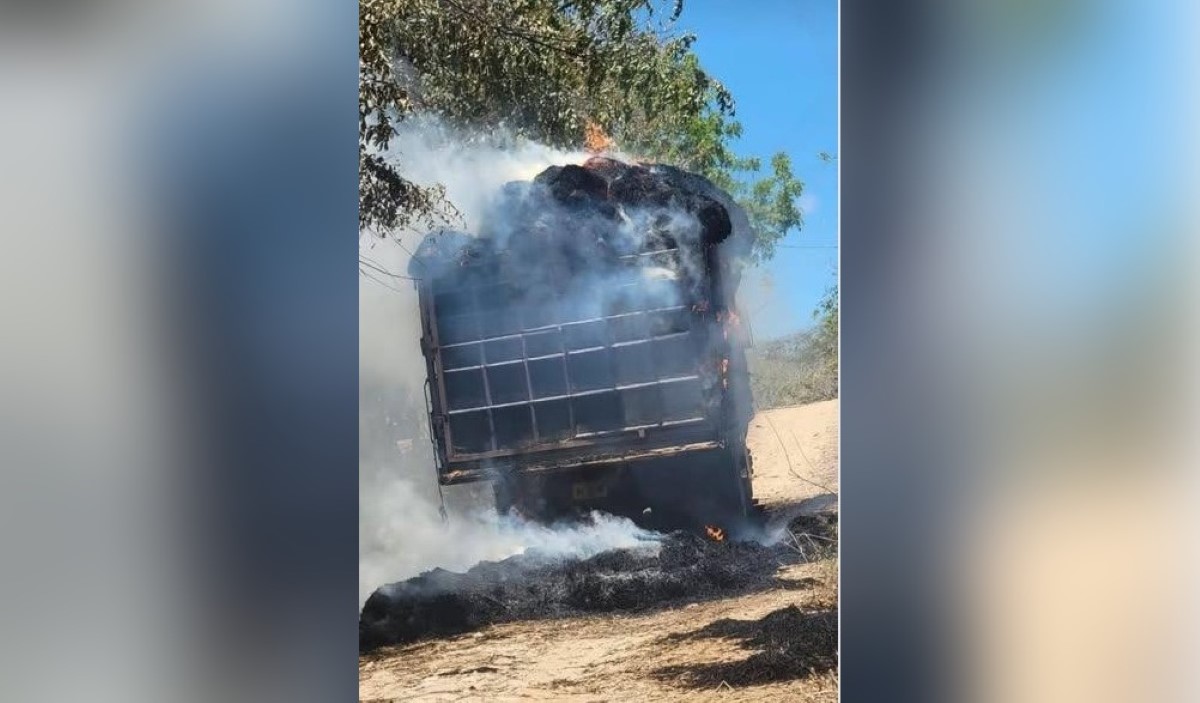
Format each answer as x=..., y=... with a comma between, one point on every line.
x=472, y=167
x=401, y=531
x=405, y=536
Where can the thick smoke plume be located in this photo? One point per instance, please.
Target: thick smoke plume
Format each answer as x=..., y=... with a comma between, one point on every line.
x=401, y=531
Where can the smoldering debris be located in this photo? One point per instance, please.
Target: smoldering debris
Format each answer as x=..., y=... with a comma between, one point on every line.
x=563, y=232
x=808, y=527
x=535, y=585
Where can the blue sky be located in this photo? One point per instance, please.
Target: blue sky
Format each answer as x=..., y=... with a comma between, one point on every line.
x=1084, y=126
x=779, y=58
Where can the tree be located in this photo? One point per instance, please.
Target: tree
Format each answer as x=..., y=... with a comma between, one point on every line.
x=801, y=367
x=550, y=70
x=825, y=336
x=540, y=68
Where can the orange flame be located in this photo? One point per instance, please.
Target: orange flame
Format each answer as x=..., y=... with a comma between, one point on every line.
x=595, y=139
x=714, y=533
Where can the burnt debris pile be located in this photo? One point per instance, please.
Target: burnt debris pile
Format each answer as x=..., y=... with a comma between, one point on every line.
x=528, y=586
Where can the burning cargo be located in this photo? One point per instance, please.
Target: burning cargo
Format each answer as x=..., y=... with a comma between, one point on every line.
x=583, y=350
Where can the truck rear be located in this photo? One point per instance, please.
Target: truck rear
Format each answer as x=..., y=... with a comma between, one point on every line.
x=583, y=349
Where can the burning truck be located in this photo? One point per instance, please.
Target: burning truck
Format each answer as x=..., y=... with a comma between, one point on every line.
x=583, y=349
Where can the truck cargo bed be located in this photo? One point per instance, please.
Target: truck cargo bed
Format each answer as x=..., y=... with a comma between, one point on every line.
x=520, y=376
x=585, y=324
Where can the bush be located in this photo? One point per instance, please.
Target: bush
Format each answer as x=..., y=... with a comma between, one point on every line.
x=799, y=368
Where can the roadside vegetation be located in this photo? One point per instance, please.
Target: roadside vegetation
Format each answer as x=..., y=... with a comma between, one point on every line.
x=799, y=368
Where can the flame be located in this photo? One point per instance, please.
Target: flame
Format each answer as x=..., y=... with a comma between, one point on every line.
x=714, y=533
x=595, y=139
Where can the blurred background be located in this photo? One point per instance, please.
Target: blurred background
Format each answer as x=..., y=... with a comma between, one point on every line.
x=1018, y=339
x=1018, y=356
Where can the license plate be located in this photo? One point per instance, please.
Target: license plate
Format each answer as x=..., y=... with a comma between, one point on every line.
x=589, y=490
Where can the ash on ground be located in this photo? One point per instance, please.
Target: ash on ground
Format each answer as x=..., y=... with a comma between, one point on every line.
x=530, y=586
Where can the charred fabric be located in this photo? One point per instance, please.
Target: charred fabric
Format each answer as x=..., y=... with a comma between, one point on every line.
x=583, y=349
x=670, y=568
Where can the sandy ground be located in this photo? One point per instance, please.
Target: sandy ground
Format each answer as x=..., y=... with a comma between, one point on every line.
x=646, y=656
x=795, y=455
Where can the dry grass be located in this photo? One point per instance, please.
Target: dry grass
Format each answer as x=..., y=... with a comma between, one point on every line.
x=797, y=369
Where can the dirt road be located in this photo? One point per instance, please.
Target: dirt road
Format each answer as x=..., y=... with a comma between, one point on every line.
x=692, y=651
